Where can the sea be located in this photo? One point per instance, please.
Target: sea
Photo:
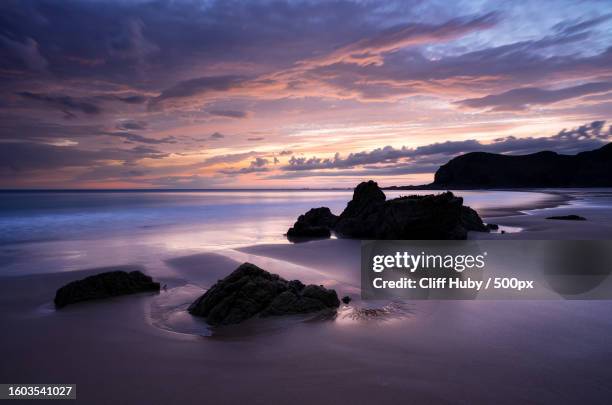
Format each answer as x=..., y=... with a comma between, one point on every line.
x=55, y=231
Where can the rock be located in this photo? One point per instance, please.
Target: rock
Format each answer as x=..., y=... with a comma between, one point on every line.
x=316, y=223
x=568, y=218
x=250, y=291
x=472, y=221
x=492, y=227
x=104, y=285
x=366, y=198
x=346, y=299
x=369, y=215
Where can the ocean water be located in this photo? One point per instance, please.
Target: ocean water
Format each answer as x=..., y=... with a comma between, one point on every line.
x=44, y=232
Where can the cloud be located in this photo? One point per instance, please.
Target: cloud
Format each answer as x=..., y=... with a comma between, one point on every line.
x=27, y=52
x=258, y=165
x=228, y=158
x=129, y=125
x=581, y=25
x=134, y=99
x=259, y=162
x=585, y=137
x=369, y=50
x=216, y=135
x=64, y=103
x=394, y=66
x=132, y=137
x=520, y=99
x=18, y=157
x=197, y=87
x=229, y=113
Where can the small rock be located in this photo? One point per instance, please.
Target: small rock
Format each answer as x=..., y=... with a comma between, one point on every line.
x=568, y=218
x=104, y=285
x=346, y=299
x=492, y=227
x=316, y=223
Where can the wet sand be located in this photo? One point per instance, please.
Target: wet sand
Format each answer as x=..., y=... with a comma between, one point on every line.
x=145, y=349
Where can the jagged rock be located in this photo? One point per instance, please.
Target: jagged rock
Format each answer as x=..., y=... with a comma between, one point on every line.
x=250, y=291
x=472, y=221
x=316, y=223
x=104, y=285
x=369, y=215
x=367, y=196
x=492, y=227
x=568, y=218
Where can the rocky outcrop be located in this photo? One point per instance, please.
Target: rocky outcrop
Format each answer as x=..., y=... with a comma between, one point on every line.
x=316, y=223
x=369, y=215
x=367, y=197
x=104, y=285
x=250, y=291
x=542, y=169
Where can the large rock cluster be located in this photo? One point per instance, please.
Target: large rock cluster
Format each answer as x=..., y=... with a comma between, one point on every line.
x=104, y=285
x=369, y=215
x=250, y=291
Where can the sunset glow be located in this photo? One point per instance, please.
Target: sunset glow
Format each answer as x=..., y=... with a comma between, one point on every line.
x=207, y=94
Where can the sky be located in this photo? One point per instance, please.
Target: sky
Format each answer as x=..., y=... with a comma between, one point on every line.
x=291, y=94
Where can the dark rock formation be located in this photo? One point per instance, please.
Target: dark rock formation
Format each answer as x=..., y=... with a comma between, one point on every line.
x=250, y=291
x=104, y=285
x=542, y=169
x=568, y=218
x=346, y=299
x=369, y=215
x=367, y=197
x=316, y=223
x=472, y=221
x=492, y=227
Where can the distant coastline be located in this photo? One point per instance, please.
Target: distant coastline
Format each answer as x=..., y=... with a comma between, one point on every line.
x=546, y=169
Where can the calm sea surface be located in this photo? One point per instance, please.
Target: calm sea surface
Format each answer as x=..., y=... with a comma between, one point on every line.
x=59, y=231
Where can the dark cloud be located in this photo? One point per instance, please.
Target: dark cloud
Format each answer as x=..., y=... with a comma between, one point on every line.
x=285, y=152
x=198, y=86
x=66, y=104
x=18, y=157
x=229, y=113
x=260, y=162
x=255, y=139
x=366, y=172
x=258, y=165
x=129, y=125
x=585, y=137
x=26, y=53
x=216, y=135
x=520, y=99
x=229, y=158
x=135, y=99
x=132, y=137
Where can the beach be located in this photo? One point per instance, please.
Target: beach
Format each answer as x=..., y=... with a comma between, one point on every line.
x=146, y=348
